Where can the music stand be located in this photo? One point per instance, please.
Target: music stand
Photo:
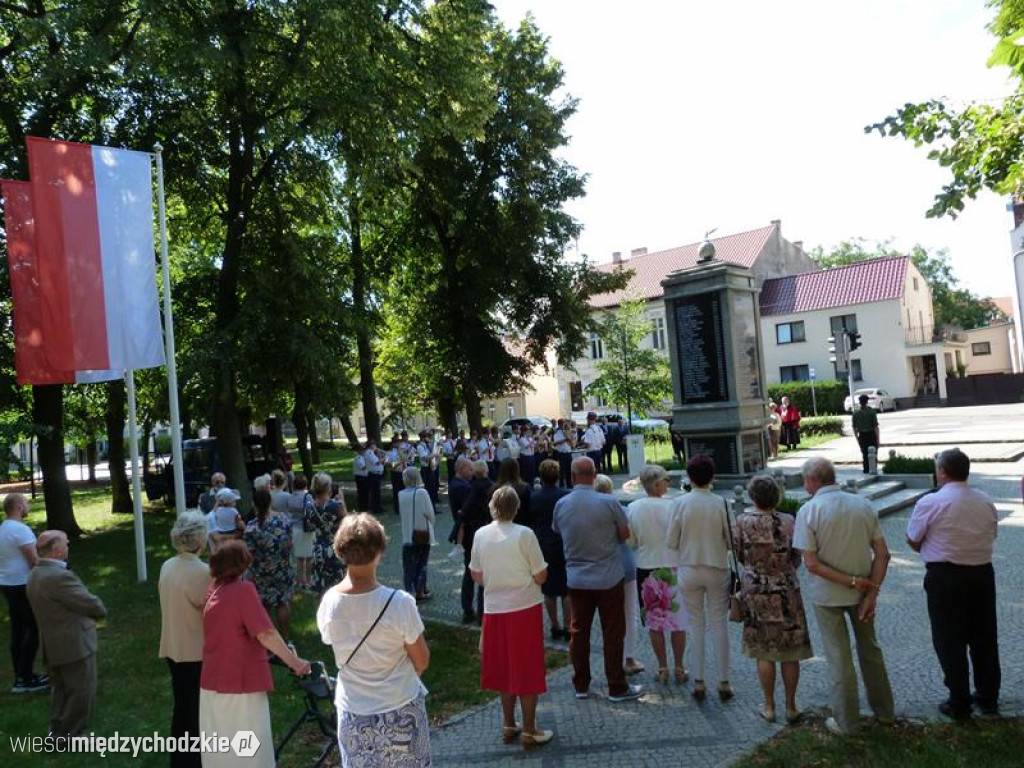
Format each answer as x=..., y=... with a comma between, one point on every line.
x=317, y=686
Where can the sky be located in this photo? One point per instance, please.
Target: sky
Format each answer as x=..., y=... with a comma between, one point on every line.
x=700, y=115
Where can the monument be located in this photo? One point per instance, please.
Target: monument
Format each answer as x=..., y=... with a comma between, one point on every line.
x=717, y=369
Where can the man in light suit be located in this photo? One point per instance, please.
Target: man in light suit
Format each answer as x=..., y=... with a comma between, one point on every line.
x=66, y=613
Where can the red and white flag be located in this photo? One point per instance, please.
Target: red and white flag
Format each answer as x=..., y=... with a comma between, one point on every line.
x=99, y=312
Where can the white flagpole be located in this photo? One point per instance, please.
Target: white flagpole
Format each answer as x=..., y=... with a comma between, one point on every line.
x=172, y=368
x=133, y=439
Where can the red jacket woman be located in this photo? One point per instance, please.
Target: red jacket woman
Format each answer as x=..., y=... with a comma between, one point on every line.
x=790, y=415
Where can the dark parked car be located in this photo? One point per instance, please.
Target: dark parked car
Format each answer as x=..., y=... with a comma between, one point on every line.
x=201, y=459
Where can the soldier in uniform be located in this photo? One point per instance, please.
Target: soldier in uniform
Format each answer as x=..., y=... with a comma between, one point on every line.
x=865, y=427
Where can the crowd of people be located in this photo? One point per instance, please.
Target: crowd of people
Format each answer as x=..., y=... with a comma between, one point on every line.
x=679, y=567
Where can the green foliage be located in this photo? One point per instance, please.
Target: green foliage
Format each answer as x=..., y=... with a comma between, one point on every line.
x=630, y=375
x=789, y=505
x=821, y=425
x=952, y=305
x=907, y=465
x=829, y=395
x=981, y=143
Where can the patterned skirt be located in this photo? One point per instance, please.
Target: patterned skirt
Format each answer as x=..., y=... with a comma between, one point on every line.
x=398, y=739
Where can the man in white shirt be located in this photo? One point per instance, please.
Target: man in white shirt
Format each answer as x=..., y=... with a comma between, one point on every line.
x=593, y=441
x=846, y=554
x=17, y=557
x=374, y=474
x=448, y=452
x=527, y=447
x=562, y=442
x=430, y=468
x=397, y=463
x=359, y=471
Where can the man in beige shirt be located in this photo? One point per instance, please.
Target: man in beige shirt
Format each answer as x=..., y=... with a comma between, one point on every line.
x=846, y=554
x=184, y=580
x=66, y=613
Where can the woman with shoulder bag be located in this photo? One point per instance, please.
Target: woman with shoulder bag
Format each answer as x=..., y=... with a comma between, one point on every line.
x=381, y=652
x=417, y=515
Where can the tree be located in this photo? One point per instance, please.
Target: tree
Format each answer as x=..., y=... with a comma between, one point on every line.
x=981, y=144
x=953, y=305
x=631, y=376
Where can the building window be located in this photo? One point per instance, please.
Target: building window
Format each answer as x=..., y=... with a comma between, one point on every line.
x=915, y=283
x=857, y=373
x=980, y=348
x=840, y=323
x=596, y=347
x=788, y=373
x=789, y=333
x=658, y=333
x=600, y=402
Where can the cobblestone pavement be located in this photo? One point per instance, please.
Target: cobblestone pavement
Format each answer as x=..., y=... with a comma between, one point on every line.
x=667, y=727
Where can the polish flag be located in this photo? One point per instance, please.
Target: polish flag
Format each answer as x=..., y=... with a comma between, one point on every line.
x=30, y=363
x=99, y=312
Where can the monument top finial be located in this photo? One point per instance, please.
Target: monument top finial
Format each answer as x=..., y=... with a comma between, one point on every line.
x=707, y=248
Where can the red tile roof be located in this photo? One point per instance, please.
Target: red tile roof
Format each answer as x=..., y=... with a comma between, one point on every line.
x=859, y=283
x=650, y=269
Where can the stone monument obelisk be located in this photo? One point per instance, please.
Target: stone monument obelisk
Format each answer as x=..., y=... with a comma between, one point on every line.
x=716, y=362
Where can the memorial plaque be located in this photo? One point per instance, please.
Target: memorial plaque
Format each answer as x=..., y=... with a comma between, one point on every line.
x=701, y=345
x=744, y=330
x=752, y=452
x=721, y=449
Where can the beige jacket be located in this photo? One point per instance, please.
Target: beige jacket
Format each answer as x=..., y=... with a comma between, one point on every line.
x=183, y=583
x=65, y=611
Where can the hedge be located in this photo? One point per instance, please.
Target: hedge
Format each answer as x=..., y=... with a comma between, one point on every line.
x=829, y=395
x=906, y=465
x=821, y=425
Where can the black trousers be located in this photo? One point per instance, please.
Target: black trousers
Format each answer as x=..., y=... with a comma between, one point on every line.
x=866, y=440
x=620, y=451
x=564, y=468
x=397, y=484
x=469, y=587
x=962, y=610
x=373, y=494
x=24, y=633
x=362, y=495
x=185, y=677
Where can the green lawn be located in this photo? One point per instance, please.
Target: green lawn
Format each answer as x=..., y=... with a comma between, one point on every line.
x=935, y=745
x=134, y=695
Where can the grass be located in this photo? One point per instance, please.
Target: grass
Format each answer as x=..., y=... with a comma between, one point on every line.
x=134, y=693
x=935, y=745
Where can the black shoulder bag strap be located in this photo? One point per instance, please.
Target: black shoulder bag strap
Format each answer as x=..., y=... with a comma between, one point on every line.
x=372, y=627
x=734, y=563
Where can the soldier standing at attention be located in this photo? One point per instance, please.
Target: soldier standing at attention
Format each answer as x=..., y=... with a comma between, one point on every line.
x=865, y=427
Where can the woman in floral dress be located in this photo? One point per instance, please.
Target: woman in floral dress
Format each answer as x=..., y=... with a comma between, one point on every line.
x=268, y=537
x=774, y=625
x=325, y=514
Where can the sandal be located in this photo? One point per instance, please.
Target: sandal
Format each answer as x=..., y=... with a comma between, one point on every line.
x=682, y=675
x=509, y=733
x=535, y=739
x=662, y=676
x=725, y=691
x=768, y=713
x=699, y=691
x=793, y=716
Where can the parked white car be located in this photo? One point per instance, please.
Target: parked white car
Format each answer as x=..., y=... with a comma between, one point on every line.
x=878, y=399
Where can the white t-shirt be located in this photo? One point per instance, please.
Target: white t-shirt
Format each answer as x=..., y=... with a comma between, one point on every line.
x=509, y=556
x=380, y=677
x=649, y=521
x=14, y=568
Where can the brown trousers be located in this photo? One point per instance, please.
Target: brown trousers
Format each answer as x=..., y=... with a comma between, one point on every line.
x=72, y=696
x=610, y=606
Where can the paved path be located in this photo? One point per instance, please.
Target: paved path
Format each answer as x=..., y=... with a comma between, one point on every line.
x=667, y=727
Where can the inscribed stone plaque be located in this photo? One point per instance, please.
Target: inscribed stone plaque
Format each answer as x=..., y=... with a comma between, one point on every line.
x=744, y=329
x=752, y=450
x=721, y=449
x=701, y=345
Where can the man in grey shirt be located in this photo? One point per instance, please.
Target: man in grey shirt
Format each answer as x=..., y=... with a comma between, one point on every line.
x=846, y=554
x=592, y=525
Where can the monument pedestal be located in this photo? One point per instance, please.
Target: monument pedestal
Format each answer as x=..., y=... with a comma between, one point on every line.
x=717, y=370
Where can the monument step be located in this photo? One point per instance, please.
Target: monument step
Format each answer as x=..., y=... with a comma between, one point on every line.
x=901, y=499
x=881, y=488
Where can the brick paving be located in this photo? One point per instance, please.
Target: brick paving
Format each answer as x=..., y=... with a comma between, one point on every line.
x=667, y=727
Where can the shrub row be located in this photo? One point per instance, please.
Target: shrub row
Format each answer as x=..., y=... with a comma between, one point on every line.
x=821, y=425
x=905, y=465
x=828, y=394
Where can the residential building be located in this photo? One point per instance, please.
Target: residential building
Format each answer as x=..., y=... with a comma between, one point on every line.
x=992, y=349
x=763, y=250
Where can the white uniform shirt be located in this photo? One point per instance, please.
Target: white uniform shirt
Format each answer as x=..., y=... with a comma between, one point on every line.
x=396, y=460
x=526, y=445
x=485, y=449
x=447, y=448
x=562, y=447
x=425, y=451
x=594, y=438
x=373, y=462
x=359, y=465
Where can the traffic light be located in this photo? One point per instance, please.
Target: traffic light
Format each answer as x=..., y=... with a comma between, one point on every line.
x=833, y=352
x=854, y=338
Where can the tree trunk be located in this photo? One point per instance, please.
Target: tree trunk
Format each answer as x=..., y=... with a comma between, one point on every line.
x=314, y=448
x=120, y=490
x=48, y=415
x=350, y=434
x=447, y=413
x=90, y=460
x=302, y=434
x=364, y=343
x=229, y=439
x=472, y=401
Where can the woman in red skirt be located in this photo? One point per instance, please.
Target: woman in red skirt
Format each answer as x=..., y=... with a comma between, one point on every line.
x=507, y=560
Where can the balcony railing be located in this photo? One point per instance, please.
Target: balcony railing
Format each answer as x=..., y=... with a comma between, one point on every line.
x=929, y=334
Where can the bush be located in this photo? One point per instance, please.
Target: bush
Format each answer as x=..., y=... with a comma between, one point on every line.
x=829, y=395
x=821, y=425
x=905, y=465
x=788, y=504
x=654, y=435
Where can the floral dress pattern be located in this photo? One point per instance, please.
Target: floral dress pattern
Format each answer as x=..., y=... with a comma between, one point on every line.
x=328, y=570
x=775, y=625
x=399, y=738
x=270, y=545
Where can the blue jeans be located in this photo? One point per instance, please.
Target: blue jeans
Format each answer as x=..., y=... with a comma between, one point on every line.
x=414, y=567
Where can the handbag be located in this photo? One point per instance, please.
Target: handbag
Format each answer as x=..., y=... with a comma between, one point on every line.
x=419, y=538
x=372, y=627
x=737, y=608
x=308, y=512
